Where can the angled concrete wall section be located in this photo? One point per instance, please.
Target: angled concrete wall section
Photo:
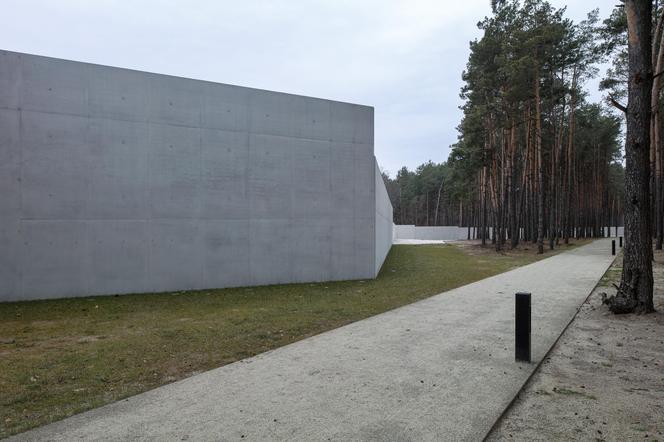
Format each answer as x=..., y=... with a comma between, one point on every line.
x=383, y=221
x=118, y=181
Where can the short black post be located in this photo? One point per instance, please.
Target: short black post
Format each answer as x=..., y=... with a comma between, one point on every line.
x=621, y=242
x=522, y=327
x=613, y=246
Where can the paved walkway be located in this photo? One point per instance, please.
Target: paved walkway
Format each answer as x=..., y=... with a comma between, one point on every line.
x=440, y=369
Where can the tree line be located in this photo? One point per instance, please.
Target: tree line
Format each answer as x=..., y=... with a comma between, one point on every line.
x=534, y=159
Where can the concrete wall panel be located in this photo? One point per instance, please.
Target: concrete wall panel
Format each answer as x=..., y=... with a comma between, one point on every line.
x=272, y=113
x=56, y=166
x=442, y=233
x=351, y=123
x=174, y=171
x=342, y=123
x=311, y=248
x=404, y=231
x=173, y=100
x=119, y=181
x=612, y=233
x=342, y=248
x=270, y=258
x=342, y=180
x=270, y=176
x=316, y=121
x=10, y=80
x=363, y=127
x=364, y=179
x=10, y=264
x=118, y=94
x=384, y=222
x=225, y=107
x=226, y=258
x=54, y=259
x=311, y=194
x=52, y=85
x=176, y=255
x=224, y=167
x=127, y=243
x=10, y=163
x=365, y=248
x=118, y=166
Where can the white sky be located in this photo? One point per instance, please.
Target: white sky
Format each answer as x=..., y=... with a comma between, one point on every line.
x=404, y=57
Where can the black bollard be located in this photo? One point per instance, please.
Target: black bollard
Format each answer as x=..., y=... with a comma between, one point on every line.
x=613, y=246
x=522, y=327
x=621, y=242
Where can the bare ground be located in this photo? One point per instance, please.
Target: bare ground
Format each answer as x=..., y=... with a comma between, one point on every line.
x=604, y=379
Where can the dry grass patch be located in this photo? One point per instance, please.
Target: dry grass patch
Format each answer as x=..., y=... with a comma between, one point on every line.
x=61, y=357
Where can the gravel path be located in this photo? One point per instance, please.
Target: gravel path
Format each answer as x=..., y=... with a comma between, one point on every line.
x=439, y=369
x=604, y=380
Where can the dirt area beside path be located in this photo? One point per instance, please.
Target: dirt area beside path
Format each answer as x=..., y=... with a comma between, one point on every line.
x=604, y=379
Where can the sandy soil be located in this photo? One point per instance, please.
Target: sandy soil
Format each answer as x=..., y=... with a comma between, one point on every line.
x=604, y=380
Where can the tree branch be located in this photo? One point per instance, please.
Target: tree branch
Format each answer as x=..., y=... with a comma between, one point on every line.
x=616, y=104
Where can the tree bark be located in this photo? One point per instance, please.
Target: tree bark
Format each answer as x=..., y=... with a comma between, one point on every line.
x=636, y=284
x=655, y=131
x=440, y=189
x=540, y=169
x=570, y=159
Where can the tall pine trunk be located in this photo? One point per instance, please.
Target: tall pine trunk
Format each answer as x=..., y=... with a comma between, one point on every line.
x=636, y=284
x=569, y=160
x=655, y=124
x=540, y=169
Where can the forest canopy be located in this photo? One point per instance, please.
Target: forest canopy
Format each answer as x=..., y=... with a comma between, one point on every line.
x=534, y=159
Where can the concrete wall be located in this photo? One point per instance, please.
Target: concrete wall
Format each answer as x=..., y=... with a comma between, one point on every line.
x=449, y=233
x=453, y=233
x=612, y=232
x=118, y=181
x=383, y=221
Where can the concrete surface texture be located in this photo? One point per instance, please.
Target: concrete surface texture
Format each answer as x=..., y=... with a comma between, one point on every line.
x=439, y=369
x=454, y=233
x=441, y=233
x=118, y=181
x=419, y=242
x=384, y=222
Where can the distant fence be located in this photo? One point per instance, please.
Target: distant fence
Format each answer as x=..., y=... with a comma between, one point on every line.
x=445, y=233
x=454, y=233
x=620, y=231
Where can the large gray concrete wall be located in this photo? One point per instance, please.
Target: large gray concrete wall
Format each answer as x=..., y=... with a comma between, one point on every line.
x=118, y=181
x=383, y=221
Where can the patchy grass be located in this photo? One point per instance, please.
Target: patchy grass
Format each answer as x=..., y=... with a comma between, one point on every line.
x=61, y=357
x=570, y=392
x=613, y=274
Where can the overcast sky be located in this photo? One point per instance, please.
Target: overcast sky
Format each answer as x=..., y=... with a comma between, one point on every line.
x=403, y=57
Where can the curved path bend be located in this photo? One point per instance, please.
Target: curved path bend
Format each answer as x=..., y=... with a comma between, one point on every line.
x=439, y=369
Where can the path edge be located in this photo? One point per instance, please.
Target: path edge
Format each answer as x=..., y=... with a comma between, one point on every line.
x=546, y=355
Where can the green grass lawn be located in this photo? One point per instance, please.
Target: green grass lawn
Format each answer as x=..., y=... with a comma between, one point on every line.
x=65, y=356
